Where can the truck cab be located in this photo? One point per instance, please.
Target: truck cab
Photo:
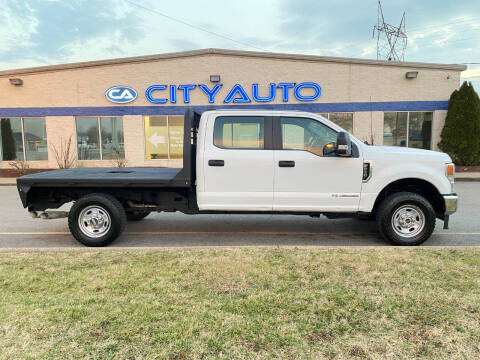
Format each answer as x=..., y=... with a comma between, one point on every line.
x=259, y=161
x=275, y=161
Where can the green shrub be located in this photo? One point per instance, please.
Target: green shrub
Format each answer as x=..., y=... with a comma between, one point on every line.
x=460, y=136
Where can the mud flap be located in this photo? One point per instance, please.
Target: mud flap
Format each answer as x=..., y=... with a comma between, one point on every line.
x=445, y=221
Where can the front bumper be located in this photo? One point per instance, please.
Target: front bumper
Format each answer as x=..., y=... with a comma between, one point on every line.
x=451, y=201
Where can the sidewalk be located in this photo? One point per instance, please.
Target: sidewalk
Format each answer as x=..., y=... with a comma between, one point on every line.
x=467, y=176
x=8, y=181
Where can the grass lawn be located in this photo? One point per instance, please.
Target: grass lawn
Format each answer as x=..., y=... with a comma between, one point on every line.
x=247, y=303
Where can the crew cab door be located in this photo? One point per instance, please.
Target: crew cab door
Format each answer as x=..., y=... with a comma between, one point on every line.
x=237, y=164
x=305, y=180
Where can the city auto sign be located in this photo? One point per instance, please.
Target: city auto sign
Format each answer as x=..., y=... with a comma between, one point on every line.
x=121, y=94
x=163, y=94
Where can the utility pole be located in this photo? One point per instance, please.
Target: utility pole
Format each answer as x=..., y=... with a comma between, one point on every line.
x=391, y=40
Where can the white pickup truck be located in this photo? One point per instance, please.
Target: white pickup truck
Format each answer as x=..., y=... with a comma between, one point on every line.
x=257, y=162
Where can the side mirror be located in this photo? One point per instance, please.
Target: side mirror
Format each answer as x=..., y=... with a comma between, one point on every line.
x=344, y=145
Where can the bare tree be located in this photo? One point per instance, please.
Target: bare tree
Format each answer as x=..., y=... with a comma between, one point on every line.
x=118, y=159
x=64, y=154
x=20, y=165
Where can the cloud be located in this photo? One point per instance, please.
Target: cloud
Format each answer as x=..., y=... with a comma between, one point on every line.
x=16, y=31
x=41, y=32
x=61, y=31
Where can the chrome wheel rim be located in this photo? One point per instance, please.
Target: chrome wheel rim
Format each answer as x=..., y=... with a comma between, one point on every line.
x=408, y=221
x=94, y=221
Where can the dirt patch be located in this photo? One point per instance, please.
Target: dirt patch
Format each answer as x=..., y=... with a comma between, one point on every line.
x=13, y=173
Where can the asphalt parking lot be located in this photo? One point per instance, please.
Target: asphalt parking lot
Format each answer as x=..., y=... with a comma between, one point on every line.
x=19, y=230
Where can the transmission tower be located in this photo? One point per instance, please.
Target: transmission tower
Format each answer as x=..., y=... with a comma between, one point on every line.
x=391, y=40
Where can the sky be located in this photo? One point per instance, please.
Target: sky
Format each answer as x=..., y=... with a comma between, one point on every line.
x=47, y=32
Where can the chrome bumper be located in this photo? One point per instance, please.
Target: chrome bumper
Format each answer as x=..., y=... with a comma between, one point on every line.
x=451, y=201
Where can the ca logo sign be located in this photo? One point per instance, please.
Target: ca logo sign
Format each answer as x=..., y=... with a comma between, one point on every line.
x=121, y=94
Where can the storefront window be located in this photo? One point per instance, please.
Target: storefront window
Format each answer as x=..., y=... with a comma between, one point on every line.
x=420, y=130
x=395, y=129
x=344, y=120
x=35, y=136
x=164, y=137
x=100, y=138
x=412, y=129
x=111, y=129
x=23, y=139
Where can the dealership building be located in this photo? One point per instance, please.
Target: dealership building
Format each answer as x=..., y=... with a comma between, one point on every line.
x=132, y=108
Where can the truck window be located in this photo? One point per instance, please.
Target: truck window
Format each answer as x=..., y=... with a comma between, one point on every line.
x=305, y=134
x=239, y=132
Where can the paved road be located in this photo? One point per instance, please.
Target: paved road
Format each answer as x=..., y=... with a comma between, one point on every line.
x=18, y=230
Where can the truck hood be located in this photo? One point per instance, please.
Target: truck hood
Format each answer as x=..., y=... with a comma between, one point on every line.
x=418, y=154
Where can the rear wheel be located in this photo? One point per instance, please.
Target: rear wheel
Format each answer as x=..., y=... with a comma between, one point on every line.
x=96, y=219
x=406, y=218
x=137, y=215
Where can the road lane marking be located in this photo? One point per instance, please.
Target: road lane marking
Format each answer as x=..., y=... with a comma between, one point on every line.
x=229, y=233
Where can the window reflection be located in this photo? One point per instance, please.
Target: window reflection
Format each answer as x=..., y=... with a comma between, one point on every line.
x=395, y=129
x=305, y=134
x=112, y=138
x=23, y=139
x=420, y=130
x=412, y=129
x=35, y=136
x=87, y=138
x=240, y=132
x=12, y=144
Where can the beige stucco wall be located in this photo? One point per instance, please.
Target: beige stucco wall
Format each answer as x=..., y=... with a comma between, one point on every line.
x=341, y=82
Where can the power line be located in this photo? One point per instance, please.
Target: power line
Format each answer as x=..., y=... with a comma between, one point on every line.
x=194, y=26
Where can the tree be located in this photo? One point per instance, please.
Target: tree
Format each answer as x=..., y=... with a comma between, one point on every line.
x=8, y=143
x=460, y=136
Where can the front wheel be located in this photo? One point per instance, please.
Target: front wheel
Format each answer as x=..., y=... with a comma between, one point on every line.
x=96, y=219
x=406, y=218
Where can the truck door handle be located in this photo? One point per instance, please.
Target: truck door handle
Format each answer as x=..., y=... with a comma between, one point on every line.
x=284, y=163
x=216, y=163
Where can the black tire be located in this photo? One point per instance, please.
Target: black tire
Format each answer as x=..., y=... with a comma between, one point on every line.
x=137, y=215
x=109, y=207
x=405, y=201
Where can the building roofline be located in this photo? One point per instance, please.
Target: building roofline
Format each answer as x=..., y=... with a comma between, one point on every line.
x=252, y=54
